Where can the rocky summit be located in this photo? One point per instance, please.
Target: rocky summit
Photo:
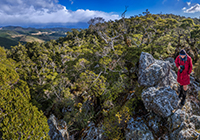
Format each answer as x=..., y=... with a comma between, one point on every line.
x=160, y=99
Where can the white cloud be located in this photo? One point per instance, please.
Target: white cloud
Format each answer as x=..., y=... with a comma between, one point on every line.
x=71, y=1
x=21, y=6
x=45, y=11
x=184, y=8
x=193, y=9
x=188, y=3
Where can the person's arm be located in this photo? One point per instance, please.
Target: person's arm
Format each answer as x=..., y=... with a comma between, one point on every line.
x=177, y=61
x=190, y=66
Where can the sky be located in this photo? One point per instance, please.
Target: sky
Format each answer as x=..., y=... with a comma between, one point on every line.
x=76, y=13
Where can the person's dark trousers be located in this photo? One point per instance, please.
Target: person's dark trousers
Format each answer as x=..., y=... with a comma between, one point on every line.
x=181, y=92
x=184, y=96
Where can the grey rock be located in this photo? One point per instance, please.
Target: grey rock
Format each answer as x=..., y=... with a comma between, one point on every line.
x=153, y=121
x=195, y=104
x=93, y=133
x=177, y=123
x=188, y=134
x=172, y=62
x=196, y=120
x=154, y=72
x=178, y=118
x=162, y=101
x=182, y=127
x=187, y=108
x=58, y=128
x=163, y=137
x=137, y=130
x=194, y=87
x=170, y=59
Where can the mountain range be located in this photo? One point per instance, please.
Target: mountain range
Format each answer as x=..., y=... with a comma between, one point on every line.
x=12, y=35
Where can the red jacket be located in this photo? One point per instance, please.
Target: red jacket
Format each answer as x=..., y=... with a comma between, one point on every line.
x=184, y=78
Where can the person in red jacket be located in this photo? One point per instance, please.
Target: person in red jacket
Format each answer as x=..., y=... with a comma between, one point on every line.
x=184, y=64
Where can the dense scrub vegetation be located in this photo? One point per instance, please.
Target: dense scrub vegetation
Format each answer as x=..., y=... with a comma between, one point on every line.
x=93, y=72
x=18, y=117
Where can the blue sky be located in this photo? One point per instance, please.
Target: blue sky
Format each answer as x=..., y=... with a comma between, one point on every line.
x=135, y=6
x=76, y=13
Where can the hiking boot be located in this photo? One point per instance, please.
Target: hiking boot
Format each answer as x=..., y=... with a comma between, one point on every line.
x=184, y=96
x=182, y=101
x=181, y=92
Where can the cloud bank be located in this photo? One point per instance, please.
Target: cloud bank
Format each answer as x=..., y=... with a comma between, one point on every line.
x=192, y=9
x=45, y=11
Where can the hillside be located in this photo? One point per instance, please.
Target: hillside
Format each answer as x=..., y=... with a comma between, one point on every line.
x=114, y=80
x=11, y=35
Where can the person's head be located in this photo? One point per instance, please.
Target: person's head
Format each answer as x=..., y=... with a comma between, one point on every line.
x=182, y=53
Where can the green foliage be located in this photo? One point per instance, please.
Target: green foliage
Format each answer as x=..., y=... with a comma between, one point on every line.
x=116, y=117
x=116, y=88
x=162, y=48
x=18, y=117
x=187, y=23
x=78, y=114
x=136, y=99
x=114, y=121
x=92, y=83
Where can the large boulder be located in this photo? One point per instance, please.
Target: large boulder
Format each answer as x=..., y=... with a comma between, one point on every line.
x=154, y=72
x=160, y=100
x=137, y=130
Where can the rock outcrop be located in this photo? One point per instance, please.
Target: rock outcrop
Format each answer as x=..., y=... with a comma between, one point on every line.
x=162, y=101
x=154, y=72
x=58, y=129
